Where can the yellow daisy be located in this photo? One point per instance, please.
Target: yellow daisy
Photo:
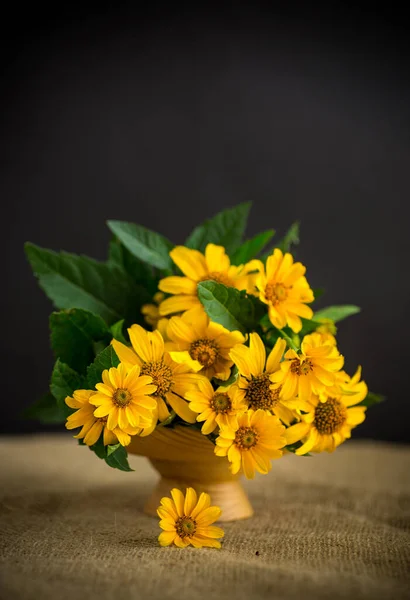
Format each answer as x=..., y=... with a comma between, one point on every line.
x=124, y=398
x=204, y=342
x=254, y=385
x=196, y=267
x=91, y=426
x=311, y=371
x=173, y=380
x=219, y=407
x=330, y=423
x=283, y=287
x=188, y=520
x=253, y=444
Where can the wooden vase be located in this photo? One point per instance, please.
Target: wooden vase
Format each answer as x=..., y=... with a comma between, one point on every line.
x=185, y=458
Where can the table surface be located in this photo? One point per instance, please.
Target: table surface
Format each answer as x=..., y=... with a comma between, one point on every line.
x=330, y=526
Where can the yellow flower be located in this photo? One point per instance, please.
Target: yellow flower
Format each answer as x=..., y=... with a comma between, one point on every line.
x=196, y=267
x=187, y=520
x=285, y=290
x=311, y=371
x=255, y=386
x=201, y=341
x=219, y=407
x=253, y=444
x=329, y=423
x=328, y=331
x=124, y=398
x=172, y=380
x=91, y=426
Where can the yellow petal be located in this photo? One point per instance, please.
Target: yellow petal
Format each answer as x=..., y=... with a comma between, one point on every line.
x=296, y=432
x=180, y=303
x=258, y=352
x=295, y=272
x=169, y=506
x=216, y=258
x=294, y=322
x=240, y=355
x=163, y=412
x=211, y=531
x=304, y=388
x=275, y=355
x=180, y=331
x=309, y=444
x=109, y=437
x=93, y=435
x=112, y=420
x=125, y=354
x=191, y=262
x=179, y=501
x=177, y=285
x=123, y=437
x=184, y=358
x=204, y=502
x=181, y=543
x=190, y=501
x=181, y=407
x=148, y=345
x=208, y=516
x=248, y=465
x=167, y=525
x=166, y=538
x=199, y=541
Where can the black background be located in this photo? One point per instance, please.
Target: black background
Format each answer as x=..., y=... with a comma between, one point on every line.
x=166, y=117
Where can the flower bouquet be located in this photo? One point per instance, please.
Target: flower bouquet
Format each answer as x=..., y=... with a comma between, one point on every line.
x=207, y=357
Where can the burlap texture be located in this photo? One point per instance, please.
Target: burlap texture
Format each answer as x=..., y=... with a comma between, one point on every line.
x=333, y=526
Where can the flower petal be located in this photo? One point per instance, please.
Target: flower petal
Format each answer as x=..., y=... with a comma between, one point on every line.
x=208, y=516
x=166, y=538
x=179, y=501
x=204, y=502
x=190, y=501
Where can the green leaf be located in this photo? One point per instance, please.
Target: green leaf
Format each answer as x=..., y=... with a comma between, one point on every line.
x=291, y=237
x=115, y=455
x=225, y=229
x=251, y=248
x=99, y=448
x=112, y=448
x=336, y=313
x=234, y=309
x=120, y=257
x=80, y=282
x=372, y=399
x=119, y=460
x=73, y=333
x=64, y=381
x=46, y=410
x=147, y=245
x=117, y=331
x=104, y=360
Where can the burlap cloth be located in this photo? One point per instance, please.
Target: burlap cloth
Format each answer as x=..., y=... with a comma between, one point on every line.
x=333, y=526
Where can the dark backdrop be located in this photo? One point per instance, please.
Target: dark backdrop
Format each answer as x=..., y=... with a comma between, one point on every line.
x=164, y=119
